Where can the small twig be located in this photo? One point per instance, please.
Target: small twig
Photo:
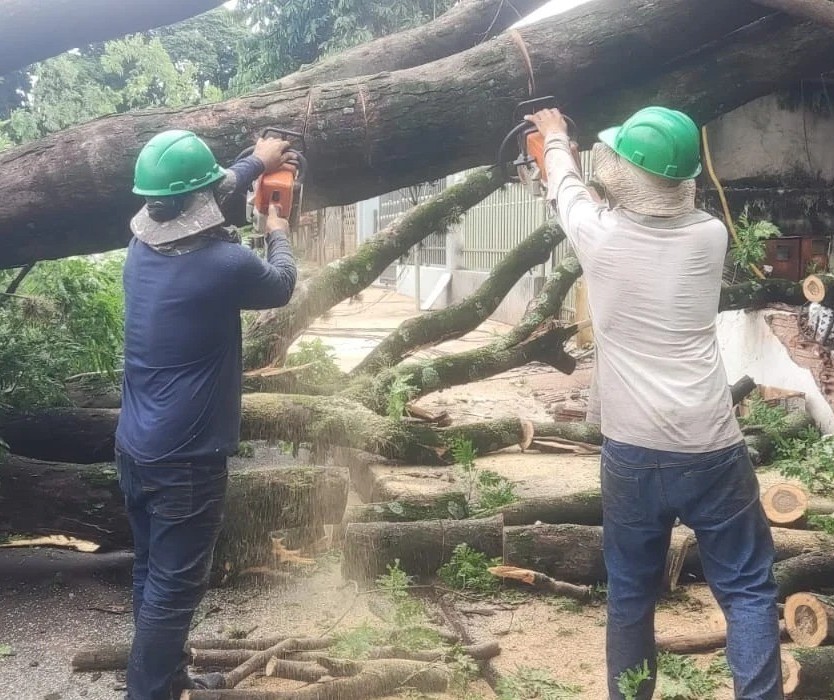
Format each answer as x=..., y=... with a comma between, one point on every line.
x=15, y=283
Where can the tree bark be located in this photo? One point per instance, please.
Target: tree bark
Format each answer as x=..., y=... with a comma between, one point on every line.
x=85, y=501
x=759, y=293
x=461, y=318
x=360, y=133
x=270, y=336
x=467, y=24
x=809, y=619
x=819, y=288
x=812, y=571
x=33, y=30
x=410, y=508
x=819, y=11
x=699, y=643
x=811, y=675
x=421, y=547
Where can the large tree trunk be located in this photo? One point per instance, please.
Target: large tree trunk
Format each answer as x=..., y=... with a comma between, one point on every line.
x=467, y=24
x=810, y=673
x=84, y=501
x=33, y=30
x=435, y=119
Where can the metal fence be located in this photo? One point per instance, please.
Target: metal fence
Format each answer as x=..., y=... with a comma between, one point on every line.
x=433, y=249
x=327, y=234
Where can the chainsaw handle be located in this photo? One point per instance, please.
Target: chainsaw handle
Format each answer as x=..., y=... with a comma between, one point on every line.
x=522, y=128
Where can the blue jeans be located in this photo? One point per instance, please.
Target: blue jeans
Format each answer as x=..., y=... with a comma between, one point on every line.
x=717, y=495
x=175, y=513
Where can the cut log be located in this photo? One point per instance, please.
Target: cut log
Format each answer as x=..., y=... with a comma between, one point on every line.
x=813, y=571
x=421, y=547
x=809, y=619
x=359, y=131
x=583, y=508
x=760, y=293
x=699, y=643
x=785, y=505
x=109, y=658
x=742, y=389
x=570, y=553
x=33, y=30
x=808, y=673
x=376, y=679
x=681, y=542
x=85, y=501
x=819, y=288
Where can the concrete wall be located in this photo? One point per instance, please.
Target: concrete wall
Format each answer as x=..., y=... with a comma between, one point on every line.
x=749, y=346
x=764, y=139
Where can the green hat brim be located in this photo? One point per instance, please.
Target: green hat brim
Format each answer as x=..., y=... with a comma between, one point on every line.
x=219, y=175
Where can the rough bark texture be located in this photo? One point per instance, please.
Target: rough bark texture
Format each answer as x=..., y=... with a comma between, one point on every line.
x=756, y=294
x=806, y=572
x=271, y=334
x=422, y=547
x=33, y=30
x=465, y=25
x=84, y=501
x=815, y=677
x=461, y=318
x=439, y=118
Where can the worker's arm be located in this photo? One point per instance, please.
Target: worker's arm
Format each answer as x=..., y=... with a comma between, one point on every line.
x=576, y=204
x=268, y=284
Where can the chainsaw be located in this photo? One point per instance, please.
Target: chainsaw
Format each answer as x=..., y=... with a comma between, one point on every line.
x=282, y=189
x=529, y=164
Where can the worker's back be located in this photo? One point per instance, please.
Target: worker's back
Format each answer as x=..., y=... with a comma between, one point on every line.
x=653, y=288
x=181, y=394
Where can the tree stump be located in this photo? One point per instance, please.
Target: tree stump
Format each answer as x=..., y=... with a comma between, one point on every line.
x=786, y=505
x=819, y=289
x=809, y=619
x=808, y=673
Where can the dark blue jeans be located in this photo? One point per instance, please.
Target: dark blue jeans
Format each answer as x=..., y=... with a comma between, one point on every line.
x=717, y=495
x=175, y=513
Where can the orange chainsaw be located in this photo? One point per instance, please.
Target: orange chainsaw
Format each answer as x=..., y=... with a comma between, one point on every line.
x=282, y=189
x=529, y=163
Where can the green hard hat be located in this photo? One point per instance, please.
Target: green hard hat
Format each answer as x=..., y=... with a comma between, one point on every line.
x=174, y=162
x=661, y=141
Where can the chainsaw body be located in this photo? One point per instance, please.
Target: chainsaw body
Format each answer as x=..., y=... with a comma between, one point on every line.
x=282, y=189
x=525, y=140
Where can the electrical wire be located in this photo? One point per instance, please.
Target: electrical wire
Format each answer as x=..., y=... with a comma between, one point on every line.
x=728, y=219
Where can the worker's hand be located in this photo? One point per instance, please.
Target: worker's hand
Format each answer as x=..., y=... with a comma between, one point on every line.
x=274, y=222
x=272, y=152
x=548, y=122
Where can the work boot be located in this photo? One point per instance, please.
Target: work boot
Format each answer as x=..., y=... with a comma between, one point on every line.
x=208, y=681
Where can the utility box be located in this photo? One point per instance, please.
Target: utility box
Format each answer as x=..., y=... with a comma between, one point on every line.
x=784, y=255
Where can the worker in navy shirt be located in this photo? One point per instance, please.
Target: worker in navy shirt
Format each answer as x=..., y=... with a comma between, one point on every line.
x=186, y=279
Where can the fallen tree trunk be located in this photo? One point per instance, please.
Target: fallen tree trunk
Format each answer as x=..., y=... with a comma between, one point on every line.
x=809, y=619
x=819, y=288
x=463, y=26
x=33, y=30
x=786, y=505
x=700, y=642
x=358, y=131
x=810, y=571
x=810, y=672
x=85, y=501
x=421, y=547
x=819, y=11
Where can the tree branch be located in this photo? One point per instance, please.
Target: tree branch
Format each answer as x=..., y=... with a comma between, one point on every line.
x=461, y=318
x=269, y=337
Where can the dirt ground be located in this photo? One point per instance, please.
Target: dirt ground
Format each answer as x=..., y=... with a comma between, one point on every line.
x=54, y=601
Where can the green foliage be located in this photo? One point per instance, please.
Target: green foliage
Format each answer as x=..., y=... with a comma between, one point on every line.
x=535, y=684
x=679, y=678
x=6, y=650
x=630, y=680
x=67, y=319
x=486, y=491
x=808, y=457
x=824, y=523
x=320, y=356
x=750, y=249
x=400, y=393
x=467, y=570
x=287, y=34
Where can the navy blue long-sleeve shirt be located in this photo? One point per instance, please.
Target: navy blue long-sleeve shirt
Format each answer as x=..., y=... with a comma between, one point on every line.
x=183, y=366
